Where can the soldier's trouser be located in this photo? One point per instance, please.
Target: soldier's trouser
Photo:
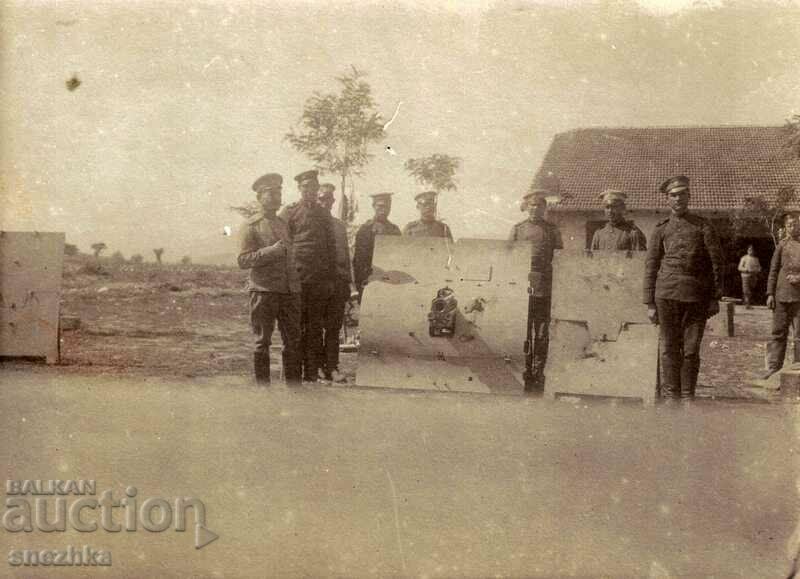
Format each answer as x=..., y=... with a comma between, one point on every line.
x=681, y=327
x=539, y=316
x=265, y=309
x=785, y=314
x=314, y=298
x=748, y=287
x=333, y=317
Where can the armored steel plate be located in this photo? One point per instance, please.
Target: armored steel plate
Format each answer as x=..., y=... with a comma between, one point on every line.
x=482, y=348
x=601, y=342
x=30, y=285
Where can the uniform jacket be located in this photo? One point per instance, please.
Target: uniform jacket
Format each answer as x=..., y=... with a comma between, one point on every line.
x=626, y=237
x=784, y=267
x=684, y=261
x=433, y=228
x=271, y=269
x=545, y=238
x=314, y=242
x=343, y=273
x=365, y=246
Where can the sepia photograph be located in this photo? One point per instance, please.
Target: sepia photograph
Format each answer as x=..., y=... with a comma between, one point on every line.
x=423, y=288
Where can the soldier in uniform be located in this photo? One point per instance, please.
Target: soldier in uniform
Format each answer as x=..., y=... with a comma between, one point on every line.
x=311, y=231
x=618, y=234
x=365, y=238
x=333, y=315
x=545, y=238
x=682, y=283
x=427, y=225
x=273, y=284
x=783, y=294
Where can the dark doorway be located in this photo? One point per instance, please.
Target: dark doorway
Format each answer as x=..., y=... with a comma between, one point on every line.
x=734, y=250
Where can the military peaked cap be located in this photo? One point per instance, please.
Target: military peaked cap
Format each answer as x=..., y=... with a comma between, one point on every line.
x=609, y=196
x=327, y=189
x=381, y=197
x=267, y=182
x=674, y=185
x=312, y=174
x=425, y=196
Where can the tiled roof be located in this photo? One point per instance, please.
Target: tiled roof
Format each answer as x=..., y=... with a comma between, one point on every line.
x=725, y=164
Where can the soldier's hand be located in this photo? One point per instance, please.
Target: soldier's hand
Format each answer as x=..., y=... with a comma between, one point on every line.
x=771, y=302
x=652, y=315
x=713, y=308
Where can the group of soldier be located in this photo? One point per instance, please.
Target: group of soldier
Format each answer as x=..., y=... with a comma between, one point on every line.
x=300, y=271
x=300, y=275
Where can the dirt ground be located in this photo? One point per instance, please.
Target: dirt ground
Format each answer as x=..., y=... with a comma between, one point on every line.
x=192, y=321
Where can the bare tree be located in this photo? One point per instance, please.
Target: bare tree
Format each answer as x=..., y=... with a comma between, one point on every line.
x=436, y=171
x=336, y=130
x=758, y=211
x=98, y=248
x=158, y=253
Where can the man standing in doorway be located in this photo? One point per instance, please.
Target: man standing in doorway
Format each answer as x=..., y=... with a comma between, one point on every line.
x=749, y=268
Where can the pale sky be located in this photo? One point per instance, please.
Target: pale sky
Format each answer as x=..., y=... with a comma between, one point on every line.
x=183, y=105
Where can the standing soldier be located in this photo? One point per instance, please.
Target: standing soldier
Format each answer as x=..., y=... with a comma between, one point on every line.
x=783, y=294
x=618, y=234
x=339, y=291
x=427, y=225
x=682, y=283
x=365, y=238
x=749, y=268
x=273, y=284
x=314, y=246
x=545, y=238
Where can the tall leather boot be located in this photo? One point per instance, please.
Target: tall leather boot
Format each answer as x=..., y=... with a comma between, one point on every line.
x=689, y=372
x=261, y=367
x=670, y=379
x=292, y=369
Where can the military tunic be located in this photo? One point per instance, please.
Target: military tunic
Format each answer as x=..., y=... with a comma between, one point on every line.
x=625, y=237
x=314, y=243
x=545, y=238
x=333, y=314
x=365, y=247
x=783, y=284
x=683, y=273
x=274, y=292
x=433, y=228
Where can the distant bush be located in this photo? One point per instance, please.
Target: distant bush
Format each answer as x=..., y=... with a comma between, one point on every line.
x=186, y=260
x=117, y=258
x=137, y=258
x=70, y=249
x=93, y=269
